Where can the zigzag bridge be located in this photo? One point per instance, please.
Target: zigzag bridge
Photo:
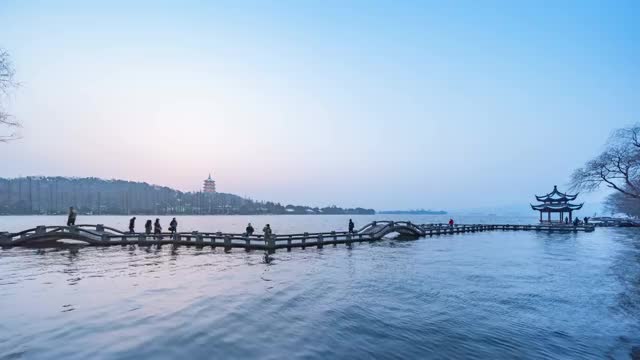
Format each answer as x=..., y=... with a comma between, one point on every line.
x=100, y=235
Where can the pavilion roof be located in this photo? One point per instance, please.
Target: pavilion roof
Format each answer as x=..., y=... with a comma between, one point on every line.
x=556, y=195
x=556, y=207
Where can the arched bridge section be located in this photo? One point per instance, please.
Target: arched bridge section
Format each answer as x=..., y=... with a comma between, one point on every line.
x=380, y=229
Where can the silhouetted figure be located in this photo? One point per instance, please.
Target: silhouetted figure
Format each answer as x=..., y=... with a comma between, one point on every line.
x=250, y=230
x=566, y=220
x=148, y=226
x=576, y=222
x=132, y=225
x=157, y=229
x=351, y=226
x=586, y=220
x=173, y=226
x=451, y=222
x=267, y=230
x=71, y=220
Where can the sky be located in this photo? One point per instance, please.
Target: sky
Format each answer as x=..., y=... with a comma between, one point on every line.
x=382, y=104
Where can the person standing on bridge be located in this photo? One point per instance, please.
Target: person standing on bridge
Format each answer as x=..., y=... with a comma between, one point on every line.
x=147, y=227
x=267, y=231
x=157, y=229
x=132, y=225
x=71, y=220
x=351, y=226
x=249, y=230
x=173, y=226
x=451, y=222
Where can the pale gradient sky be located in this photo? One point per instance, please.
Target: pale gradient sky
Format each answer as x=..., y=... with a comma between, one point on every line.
x=390, y=105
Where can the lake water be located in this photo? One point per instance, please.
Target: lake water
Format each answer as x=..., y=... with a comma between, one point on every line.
x=482, y=295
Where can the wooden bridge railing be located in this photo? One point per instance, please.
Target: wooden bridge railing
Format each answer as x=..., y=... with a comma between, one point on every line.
x=102, y=235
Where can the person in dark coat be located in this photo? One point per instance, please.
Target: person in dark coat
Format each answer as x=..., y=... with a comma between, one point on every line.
x=132, y=225
x=148, y=226
x=586, y=220
x=157, y=229
x=71, y=220
x=250, y=229
x=267, y=230
x=173, y=226
x=351, y=226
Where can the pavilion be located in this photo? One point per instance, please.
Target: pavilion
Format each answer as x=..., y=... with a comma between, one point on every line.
x=556, y=202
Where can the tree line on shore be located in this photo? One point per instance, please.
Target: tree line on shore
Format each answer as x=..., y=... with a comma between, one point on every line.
x=54, y=195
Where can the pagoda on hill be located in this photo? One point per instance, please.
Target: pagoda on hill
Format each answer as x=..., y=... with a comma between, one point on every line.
x=556, y=202
x=209, y=185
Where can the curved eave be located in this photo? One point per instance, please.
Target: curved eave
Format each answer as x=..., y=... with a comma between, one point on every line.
x=567, y=207
x=560, y=195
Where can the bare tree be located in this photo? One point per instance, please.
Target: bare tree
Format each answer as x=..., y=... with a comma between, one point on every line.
x=7, y=83
x=620, y=203
x=618, y=168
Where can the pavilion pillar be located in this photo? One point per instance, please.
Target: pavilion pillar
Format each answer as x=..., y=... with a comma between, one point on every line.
x=570, y=216
x=549, y=216
x=540, y=216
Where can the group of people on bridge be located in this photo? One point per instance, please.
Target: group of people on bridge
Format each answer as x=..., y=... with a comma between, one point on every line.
x=577, y=221
x=156, y=228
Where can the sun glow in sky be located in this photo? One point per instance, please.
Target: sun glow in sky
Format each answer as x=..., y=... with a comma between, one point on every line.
x=389, y=105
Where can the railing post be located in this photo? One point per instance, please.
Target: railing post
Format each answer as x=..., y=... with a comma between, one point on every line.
x=105, y=237
x=289, y=243
x=227, y=243
x=41, y=229
x=304, y=240
x=198, y=238
x=217, y=236
x=320, y=242
x=142, y=239
x=100, y=228
x=348, y=241
x=4, y=238
x=335, y=238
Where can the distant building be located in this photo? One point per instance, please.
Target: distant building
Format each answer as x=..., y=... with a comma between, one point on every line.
x=209, y=185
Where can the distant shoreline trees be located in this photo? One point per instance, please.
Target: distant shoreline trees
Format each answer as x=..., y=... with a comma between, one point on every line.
x=618, y=168
x=54, y=195
x=7, y=83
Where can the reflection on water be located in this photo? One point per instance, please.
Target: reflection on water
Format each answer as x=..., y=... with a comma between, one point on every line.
x=488, y=295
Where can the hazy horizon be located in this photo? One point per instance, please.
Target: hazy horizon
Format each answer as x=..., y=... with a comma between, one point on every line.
x=386, y=105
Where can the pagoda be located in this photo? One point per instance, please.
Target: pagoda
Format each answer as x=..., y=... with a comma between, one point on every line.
x=556, y=202
x=209, y=185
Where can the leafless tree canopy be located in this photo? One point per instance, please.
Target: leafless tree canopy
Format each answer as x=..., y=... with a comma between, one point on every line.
x=7, y=83
x=620, y=203
x=618, y=168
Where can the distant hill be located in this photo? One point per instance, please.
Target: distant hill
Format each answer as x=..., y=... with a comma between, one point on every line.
x=54, y=195
x=413, y=212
